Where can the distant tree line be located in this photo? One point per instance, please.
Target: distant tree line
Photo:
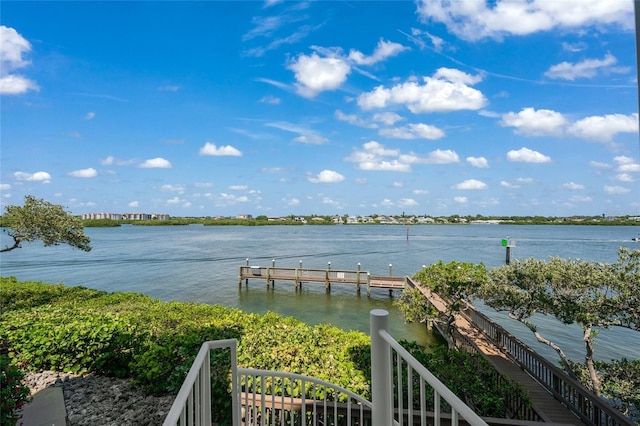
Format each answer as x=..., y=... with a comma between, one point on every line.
x=400, y=220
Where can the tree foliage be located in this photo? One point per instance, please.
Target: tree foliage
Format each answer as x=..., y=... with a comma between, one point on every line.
x=41, y=220
x=590, y=294
x=455, y=282
x=620, y=383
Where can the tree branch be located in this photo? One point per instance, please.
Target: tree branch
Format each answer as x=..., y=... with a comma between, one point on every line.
x=16, y=244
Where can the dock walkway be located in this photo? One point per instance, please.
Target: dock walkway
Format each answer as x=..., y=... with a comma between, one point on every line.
x=549, y=409
x=327, y=276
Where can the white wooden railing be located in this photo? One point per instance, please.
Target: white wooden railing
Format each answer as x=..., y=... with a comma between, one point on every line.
x=403, y=392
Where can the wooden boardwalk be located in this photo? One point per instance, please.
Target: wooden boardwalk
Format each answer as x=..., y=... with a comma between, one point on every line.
x=545, y=384
x=328, y=276
x=548, y=408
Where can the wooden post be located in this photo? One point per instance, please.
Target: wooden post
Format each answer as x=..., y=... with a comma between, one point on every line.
x=246, y=282
x=508, y=255
x=299, y=274
x=327, y=284
x=368, y=284
x=273, y=265
x=358, y=279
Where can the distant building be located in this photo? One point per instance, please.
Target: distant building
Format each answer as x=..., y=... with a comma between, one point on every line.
x=146, y=216
x=244, y=216
x=127, y=216
x=111, y=216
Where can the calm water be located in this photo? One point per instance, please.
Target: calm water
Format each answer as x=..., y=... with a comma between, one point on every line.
x=197, y=263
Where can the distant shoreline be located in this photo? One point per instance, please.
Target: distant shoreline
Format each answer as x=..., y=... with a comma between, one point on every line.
x=367, y=220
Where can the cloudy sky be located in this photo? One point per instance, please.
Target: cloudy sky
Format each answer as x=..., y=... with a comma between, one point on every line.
x=505, y=107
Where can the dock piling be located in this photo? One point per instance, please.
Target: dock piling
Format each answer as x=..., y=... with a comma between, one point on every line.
x=327, y=276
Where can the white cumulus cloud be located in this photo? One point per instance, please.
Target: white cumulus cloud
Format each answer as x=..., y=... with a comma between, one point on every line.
x=624, y=177
x=479, y=162
x=471, y=184
x=374, y=156
x=156, y=163
x=478, y=19
x=387, y=118
x=384, y=50
x=315, y=74
x=84, y=173
x=572, y=185
x=526, y=155
x=326, y=176
x=447, y=90
x=179, y=188
x=13, y=47
x=210, y=149
x=43, y=177
x=603, y=128
x=585, y=69
x=413, y=131
x=615, y=190
x=531, y=122
x=354, y=120
x=439, y=156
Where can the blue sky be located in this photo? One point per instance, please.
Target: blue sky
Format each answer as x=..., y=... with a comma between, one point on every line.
x=325, y=107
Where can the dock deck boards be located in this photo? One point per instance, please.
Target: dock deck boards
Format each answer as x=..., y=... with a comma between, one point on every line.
x=327, y=276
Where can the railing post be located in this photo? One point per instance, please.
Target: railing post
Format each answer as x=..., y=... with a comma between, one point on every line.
x=381, y=388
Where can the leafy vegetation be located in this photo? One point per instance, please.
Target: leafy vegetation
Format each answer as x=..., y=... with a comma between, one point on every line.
x=456, y=282
x=620, y=383
x=485, y=391
x=591, y=294
x=154, y=343
x=41, y=220
x=100, y=223
x=13, y=394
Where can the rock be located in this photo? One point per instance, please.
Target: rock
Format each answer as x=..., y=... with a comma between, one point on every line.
x=102, y=401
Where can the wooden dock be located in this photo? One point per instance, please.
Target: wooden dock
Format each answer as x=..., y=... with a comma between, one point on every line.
x=328, y=276
x=564, y=402
x=545, y=407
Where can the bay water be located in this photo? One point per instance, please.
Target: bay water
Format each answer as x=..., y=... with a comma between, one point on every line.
x=198, y=263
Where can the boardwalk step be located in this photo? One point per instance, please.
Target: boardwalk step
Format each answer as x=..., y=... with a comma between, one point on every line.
x=45, y=409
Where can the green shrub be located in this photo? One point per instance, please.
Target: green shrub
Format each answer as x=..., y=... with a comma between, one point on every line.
x=16, y=295
x=155, y=343
x=13, y=394
x=471, y=378
x=58, y=338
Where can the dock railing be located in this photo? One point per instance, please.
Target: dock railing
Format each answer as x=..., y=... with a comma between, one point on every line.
x=413, y=391
x=408, y=396
x=270, y=274
x=584, y=403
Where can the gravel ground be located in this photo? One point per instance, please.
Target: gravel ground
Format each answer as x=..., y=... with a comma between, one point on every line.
x=96, y=400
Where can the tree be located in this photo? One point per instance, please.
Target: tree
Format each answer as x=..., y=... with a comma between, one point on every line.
x=456, y=282
x=590, y=294
x=41, y=220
